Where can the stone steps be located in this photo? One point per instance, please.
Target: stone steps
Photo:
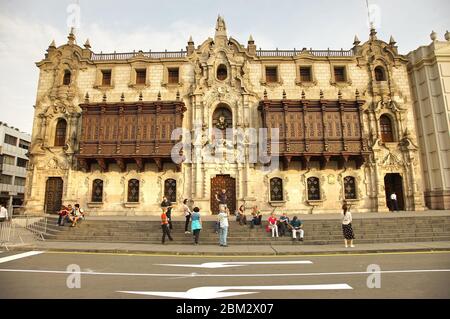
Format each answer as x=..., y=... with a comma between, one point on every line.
x=318, y=232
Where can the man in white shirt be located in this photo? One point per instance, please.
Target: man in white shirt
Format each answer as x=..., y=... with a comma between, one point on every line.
x=394, y=203
x=3, y=213
x=223, y=226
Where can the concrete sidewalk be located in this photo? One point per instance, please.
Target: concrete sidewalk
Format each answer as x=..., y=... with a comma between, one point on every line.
x=295, y=248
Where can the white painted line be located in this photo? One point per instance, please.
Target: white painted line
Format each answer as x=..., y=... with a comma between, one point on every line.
x=238, y=264
x=19, y=256
x=217, y=292
x=224, y=275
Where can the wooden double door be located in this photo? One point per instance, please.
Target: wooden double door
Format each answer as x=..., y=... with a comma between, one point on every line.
x=393, y=183
x=53, y=195
x=217, y=184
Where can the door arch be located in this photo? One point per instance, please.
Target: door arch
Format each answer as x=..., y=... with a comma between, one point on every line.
x=53, y=195
x=394, y=183
x=218, y=183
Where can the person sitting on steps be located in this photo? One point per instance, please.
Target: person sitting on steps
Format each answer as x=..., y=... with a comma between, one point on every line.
x=256, y=217
x=240, y=216
x=297, y=227
x=273, y=225
x=284, y=224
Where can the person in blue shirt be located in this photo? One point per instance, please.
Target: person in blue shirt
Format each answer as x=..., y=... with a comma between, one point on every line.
x=196, y=224
x=297, y=227
x=284, y=224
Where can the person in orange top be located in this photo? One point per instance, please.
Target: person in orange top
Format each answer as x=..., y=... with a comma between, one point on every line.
x=165, y=226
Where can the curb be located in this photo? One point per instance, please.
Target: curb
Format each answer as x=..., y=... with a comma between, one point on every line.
x=225, y=253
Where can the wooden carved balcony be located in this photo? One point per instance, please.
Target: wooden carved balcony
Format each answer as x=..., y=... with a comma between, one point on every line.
x=322, y=130
x=123, y=133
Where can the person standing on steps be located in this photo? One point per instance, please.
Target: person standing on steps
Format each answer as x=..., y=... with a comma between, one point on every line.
x=187, y=215
x=347, y=226
x=165, y=226
x=196, y=224
x=394, y=202
x=223, y=225
x=168, y=205
x=222, y=197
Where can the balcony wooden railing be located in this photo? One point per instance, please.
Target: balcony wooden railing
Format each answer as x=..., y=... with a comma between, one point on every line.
x=128, y=132
x=320, y=130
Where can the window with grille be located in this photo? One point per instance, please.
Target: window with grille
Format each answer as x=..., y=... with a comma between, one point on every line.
x=66, y=78
x=60, y=134
x=19, y=181
x=133, y=191
x=97, y=191
x=386, y=129
x=313, y=188
x=141, y=75
x=349, y=187
x=5, y=179
x=24, y=144
x=173, y=74
x=271, y=74
x=305, y=74
x=276, y=189
x=380, y=74
x=11, y=140
x=339, y=74
x=9, y=160
x=170, y=190
x=21, y=162
x=106, y=77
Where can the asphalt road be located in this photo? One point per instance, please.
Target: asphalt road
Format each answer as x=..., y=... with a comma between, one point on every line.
x=400, y=275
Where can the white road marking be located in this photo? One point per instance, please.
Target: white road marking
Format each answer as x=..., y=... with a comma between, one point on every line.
x=225, y=275
x=239, y=264
x=19, y=256
x=217, y=292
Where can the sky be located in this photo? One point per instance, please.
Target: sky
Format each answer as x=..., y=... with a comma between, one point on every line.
x=27, y=27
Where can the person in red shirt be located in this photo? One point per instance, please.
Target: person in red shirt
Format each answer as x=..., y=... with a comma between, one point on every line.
x=63, y=213
x=273, y=224
x=165, y=226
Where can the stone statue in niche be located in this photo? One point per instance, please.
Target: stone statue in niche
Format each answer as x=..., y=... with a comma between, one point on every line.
x=221, y=123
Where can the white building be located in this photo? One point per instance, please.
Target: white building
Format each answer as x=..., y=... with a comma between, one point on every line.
x=429, y=71
x=13, y=165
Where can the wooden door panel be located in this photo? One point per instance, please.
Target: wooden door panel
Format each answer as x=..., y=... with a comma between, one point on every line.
x=53, y=195
x=217, y=184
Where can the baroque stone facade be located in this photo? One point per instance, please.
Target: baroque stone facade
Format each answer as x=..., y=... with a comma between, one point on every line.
x=222, y=84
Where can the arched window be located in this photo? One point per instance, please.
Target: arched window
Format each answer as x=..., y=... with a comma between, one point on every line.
x=387, y=134
x=170, y=189
x=313, y=188
x=276, y=189
x=97, y=191
x=380, y=74
x=221, y=72
x=66, y=78
x=60, y=133
x=349, y=187
x=133, y=191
